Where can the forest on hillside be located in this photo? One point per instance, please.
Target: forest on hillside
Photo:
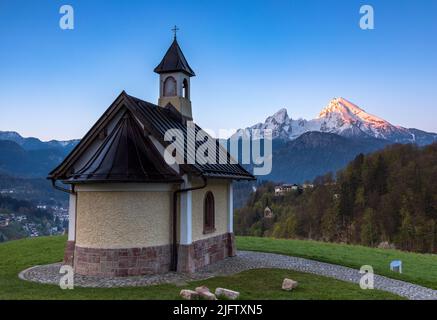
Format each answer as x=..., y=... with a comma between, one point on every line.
x=387, y=199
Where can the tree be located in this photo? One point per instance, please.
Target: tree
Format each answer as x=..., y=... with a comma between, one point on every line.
x=406, y=231
x=330, y=225
x=290, y=226
x=369, y=229
x=287, y=228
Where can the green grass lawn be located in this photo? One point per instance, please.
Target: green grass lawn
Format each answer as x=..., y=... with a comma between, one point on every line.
x=16, y=256
x=417, y=268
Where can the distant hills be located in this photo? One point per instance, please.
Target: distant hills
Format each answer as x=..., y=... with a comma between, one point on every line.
x=36, y=144
x=17, y=161
x=315, y=153
x=25, y=163
x=30, y=157
x=36, y=190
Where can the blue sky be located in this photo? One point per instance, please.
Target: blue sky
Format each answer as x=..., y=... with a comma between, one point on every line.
x=251, y=59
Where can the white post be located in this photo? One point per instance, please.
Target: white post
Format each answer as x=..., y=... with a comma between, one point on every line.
x=230, y=208
x=186, y=215
x=72, y=218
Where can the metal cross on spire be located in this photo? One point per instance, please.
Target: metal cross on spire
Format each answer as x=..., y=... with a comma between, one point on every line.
x=175, y=30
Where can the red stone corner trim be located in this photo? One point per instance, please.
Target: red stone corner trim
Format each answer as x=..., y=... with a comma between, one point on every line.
x=122, y=262
x=206, y=251
x=69, y=253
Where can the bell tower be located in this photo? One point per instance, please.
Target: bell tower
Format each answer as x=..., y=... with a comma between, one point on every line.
x=174, y=79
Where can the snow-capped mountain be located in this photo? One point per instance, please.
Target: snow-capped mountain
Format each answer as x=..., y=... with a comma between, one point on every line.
x=344, y=118
x=347, y=119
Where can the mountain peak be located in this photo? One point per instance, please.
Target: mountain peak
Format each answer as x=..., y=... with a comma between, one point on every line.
x=280, y=116
x=346, y=108
x=343, y=118
x=9, y=135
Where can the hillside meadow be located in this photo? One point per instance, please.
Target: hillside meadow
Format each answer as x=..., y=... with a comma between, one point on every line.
x=418, y=268
x=16, y=256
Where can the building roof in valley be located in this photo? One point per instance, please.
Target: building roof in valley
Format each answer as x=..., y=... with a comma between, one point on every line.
x=174, y=61
x=117, y=158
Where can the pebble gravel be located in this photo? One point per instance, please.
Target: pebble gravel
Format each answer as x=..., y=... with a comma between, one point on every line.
x=245, y=260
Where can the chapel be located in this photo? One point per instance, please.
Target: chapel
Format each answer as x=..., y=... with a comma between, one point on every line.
x=131, y=211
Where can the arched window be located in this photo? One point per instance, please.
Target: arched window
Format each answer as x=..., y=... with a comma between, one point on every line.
x=186, y=91
x=208, y=213
x=169, y=87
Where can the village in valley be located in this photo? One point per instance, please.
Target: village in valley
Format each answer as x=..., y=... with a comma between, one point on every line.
x=20, y=219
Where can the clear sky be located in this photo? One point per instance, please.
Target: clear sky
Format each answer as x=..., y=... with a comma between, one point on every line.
x=251, y=59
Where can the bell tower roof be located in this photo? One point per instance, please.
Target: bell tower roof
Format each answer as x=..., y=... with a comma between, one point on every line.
x=174, y=61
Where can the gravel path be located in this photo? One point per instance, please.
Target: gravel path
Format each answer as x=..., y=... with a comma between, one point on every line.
x=245, y=260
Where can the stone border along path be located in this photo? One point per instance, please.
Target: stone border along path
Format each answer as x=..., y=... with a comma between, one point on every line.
x=245, y=260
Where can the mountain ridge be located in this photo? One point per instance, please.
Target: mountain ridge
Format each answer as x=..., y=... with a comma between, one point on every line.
x=19, y=162
x=32, y=143
x=315, y=153
x=30, y=157
x=341, y=117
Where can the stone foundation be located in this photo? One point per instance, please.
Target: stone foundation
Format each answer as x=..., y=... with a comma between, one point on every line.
x=206, y=251
x=149, y=260
x=122, y=262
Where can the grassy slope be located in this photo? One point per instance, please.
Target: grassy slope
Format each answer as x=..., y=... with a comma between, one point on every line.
x=417, y=268
x=255, y=284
